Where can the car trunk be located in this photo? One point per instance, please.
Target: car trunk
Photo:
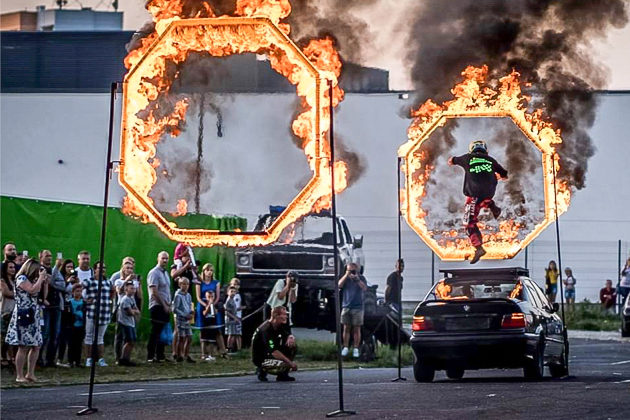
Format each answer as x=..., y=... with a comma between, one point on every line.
x=466, y=315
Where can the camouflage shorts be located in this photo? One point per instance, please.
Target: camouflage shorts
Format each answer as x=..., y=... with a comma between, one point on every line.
x=275, y=367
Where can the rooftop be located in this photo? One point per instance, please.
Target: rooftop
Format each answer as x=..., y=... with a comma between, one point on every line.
x=89, y=61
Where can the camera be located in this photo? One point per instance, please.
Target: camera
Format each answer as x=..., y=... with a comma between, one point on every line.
x=353, y=272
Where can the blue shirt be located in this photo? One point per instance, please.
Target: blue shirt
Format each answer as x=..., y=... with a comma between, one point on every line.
x=77, y=312
x=352, y=293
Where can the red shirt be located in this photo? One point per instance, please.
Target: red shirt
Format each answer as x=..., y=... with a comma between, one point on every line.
x=607, y=297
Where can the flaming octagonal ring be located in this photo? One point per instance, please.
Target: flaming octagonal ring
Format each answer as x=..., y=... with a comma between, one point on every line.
x=221, y=35
x=543, y=137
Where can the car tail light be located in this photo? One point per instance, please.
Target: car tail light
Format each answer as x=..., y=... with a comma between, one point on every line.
x=421, y=323
x=515, y=320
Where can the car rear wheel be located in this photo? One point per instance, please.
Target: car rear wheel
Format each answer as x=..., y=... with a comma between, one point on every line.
x=535, y=369
x=625, y=329
x=422, y=372
x=455, y=373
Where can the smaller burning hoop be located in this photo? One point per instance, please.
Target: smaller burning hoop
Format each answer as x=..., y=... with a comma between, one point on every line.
x=475, y=100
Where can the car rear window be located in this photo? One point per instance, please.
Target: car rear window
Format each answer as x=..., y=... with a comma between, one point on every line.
x=463, y=289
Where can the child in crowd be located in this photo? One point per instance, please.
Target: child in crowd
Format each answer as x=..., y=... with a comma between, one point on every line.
x=233, y=321
x=569, y=291
x=127, y=313
x=76, y=307
x=235, y=282
x=208, y=331
x=183, y=310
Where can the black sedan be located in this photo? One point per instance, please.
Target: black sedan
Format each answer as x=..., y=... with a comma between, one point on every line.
x=487, y=318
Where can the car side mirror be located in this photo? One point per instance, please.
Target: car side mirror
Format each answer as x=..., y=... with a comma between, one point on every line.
x=555, y=307
x=358, y=241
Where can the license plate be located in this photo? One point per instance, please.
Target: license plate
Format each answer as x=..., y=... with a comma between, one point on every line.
x=470, y=323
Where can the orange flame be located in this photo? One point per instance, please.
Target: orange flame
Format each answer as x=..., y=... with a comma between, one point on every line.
x=443, y=291
x=257, y=29
x=182, y=208
x=474, y=98
x=516, y=292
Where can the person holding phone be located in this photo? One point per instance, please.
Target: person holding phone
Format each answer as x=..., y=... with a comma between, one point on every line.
x=353, y=286
x=285, y=293
x=24, y=328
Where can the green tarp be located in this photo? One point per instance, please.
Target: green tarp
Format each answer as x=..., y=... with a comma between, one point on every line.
x=34, y=225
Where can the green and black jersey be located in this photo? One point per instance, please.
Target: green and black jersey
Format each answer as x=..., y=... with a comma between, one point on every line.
x=480, y=180
x=266, y=340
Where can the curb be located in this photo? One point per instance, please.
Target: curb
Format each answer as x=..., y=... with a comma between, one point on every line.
x=599, y=335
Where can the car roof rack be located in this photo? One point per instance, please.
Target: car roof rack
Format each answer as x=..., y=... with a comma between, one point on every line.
x=486, y=273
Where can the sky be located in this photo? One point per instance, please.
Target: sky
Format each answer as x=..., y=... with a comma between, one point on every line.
x=388, y=48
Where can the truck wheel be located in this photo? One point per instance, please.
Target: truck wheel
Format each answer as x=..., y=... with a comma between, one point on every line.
x=422, y=372
x=535, y=369
x=455, y=373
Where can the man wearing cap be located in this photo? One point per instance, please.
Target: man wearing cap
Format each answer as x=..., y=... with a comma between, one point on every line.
x=480, y=184
x=284, y=293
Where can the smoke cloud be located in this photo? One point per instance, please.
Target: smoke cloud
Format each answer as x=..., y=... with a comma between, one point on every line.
x=546, y=41
x=316, y=19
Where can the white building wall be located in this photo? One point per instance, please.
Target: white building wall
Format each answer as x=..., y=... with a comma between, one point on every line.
x=38, y=130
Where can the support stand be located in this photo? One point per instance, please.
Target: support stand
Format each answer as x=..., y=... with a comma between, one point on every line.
x=341, y=412
x=400, y=326
x=564, y=331
x=620, y=300
x=526, y=257
x=90, y=409
x=432, y=268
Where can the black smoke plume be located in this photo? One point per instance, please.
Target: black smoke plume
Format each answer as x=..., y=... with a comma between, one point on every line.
x=316, y=19
x=546, y=41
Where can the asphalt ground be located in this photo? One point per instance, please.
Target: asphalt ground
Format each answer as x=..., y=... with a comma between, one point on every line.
x=598, y=388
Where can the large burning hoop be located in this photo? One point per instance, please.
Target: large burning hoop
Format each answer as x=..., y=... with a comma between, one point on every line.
x=221, y=37
x=473, y=99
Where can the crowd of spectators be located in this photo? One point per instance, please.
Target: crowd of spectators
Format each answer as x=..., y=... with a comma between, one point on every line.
x=50, y=316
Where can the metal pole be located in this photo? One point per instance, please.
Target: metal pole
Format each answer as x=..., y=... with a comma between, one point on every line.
x=399, y=329
x=90, y=409
x=526, y=257
x=341, y=412
x=619, y=297
x=399, y=161
x=555, y=199
x=432, y=268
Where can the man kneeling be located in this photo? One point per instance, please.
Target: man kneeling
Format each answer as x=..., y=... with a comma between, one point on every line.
x=273, y=347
